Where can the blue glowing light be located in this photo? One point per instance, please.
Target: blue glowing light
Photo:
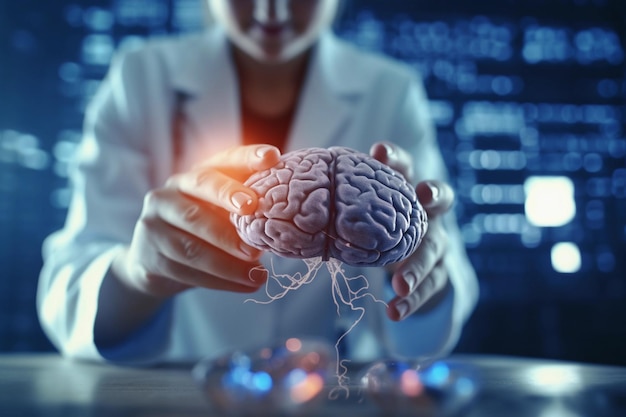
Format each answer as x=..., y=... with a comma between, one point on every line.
x=465, y=387
x=295, y=377
x=437, y=375
x=262, y=381
x=245, y=381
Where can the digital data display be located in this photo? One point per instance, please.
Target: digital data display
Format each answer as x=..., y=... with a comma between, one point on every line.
x=528, y=97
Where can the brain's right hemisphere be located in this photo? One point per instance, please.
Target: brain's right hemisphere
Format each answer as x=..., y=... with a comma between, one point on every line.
x=334, y=203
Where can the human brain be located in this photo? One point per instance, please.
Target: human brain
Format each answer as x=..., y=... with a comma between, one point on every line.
x=333, y=203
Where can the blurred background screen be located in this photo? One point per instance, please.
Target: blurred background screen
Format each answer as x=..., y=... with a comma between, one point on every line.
x=528, y=98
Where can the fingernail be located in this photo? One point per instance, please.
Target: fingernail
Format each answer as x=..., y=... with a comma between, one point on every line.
x=411, y=280
x=258, y=275
x=388, y=149
x=434, y=191
x=262, y=151
x=402, y=308
x=240, y=199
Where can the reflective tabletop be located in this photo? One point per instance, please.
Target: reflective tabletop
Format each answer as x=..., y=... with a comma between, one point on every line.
x=49, y=385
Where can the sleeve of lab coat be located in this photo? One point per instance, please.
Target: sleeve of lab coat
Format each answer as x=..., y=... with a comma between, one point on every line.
x=109, y=180
x=436, y=332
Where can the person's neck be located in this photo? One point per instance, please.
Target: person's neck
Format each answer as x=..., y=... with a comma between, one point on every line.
x=270, y=89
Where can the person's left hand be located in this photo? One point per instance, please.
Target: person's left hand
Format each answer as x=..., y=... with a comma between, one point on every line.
x=421, y=280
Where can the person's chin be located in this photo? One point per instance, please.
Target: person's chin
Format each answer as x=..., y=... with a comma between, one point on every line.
x=273, y=55
x=274, y=51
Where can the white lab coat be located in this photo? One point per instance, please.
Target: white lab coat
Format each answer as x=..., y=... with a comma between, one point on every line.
x=349, y=98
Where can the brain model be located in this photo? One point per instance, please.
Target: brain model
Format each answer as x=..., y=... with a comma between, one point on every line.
x=333, y=203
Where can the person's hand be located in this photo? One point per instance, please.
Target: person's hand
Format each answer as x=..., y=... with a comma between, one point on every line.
x=420, y=280
x=184, y=237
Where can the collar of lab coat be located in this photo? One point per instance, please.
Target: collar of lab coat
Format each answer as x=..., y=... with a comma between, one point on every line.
x=207, y=79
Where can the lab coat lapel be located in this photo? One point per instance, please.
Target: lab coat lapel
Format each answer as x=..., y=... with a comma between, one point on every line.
x=210, y=107
x=326, y=101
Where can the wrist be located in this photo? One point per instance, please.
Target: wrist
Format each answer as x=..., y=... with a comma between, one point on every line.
x=122, y=307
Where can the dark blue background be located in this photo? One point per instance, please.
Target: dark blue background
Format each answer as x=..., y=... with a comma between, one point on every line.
x=519, y=89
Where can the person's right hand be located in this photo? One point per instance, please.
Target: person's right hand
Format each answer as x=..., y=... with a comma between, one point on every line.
x=184, y=237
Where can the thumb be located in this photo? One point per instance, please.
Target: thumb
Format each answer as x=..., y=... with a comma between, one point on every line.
x=435, y=196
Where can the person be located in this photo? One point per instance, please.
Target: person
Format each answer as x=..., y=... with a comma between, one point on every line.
x=148, y=267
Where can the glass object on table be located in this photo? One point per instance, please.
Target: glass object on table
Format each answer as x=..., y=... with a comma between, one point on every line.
x=412, y=388
x=288, y=378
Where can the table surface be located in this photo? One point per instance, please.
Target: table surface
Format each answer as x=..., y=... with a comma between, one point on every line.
x=49, y=385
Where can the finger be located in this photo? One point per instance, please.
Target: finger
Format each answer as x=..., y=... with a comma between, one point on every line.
x=435, y=196
x=207, y=222
x=249, y=280
x=214, y=187
x=418, y=266
x=213, y=226
x=394, y=156
x=209, y=263
x=427, y=293
x=241, y=161
x=159, y=286
x=176, y=277
x=218, y=180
